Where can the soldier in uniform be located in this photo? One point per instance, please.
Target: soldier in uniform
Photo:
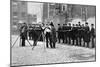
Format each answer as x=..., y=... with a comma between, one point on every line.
x=69, y=33
x=23, y=33
x=73, y=34
x=79, y=33
x=92, y=32
x=30, y=32
x=76, y=34
x=59, y=33
x=83, y=34
x=63, y=32
x=53, y=35
x=87, y=35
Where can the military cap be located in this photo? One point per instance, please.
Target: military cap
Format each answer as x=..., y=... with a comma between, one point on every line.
x=92, y=24
x=86, y=23
x=58, y=24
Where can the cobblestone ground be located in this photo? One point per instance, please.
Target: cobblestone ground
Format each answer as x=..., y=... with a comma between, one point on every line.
x=42, y=55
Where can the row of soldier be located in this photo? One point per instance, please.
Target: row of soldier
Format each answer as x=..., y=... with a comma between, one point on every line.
x=77, y=34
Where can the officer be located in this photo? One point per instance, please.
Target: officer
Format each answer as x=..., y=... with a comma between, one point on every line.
x=69, y=33
x=59, y=33
x=87, y=34
x=23, y=33
x=92, y=32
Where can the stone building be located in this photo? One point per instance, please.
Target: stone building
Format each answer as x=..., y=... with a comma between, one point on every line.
x=18, y=13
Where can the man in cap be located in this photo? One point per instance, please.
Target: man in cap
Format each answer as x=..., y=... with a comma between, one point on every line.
x=69, y=33
x=79, y=33
x=59, y=33
x=23, y=33
x=92, y=32
x=87, y=34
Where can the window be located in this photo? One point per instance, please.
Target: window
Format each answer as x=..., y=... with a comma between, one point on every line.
x=15, y=13
x=23, y=2
x=63, y=8
x=23, y=14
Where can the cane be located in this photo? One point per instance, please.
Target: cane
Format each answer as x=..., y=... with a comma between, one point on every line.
x=16, y=41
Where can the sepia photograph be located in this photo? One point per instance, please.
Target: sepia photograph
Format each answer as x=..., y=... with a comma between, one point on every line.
x=43, y=33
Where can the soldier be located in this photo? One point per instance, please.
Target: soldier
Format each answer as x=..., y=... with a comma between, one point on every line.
x=83, y=34
x=87, y=35
x=76, y=34
x=73, y=34
x=66, y=33
x=63, y=33
x=79, y=33
x=53, y=35
x=92, y=32
x=23, y=33
x=59, y=33
x=69, y=33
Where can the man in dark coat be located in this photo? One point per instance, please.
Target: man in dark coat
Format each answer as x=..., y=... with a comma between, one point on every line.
x=69, y=33
x=30, y=32
x=76, y=34
x=63, y=32
x=79, y=34
x=73, y=34
x=87, y=34
x=92, y=32
x=23, y=33
x=59, y=33
x=83, y=34
x=36, y=34
x=53, y=36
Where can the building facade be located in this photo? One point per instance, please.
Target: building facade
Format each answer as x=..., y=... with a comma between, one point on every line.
x=18, y=13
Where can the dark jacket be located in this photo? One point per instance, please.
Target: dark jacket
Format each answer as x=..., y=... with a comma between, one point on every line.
x=53, y=34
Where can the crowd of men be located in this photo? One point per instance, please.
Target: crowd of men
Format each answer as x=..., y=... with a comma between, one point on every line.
x=77, y=34
x=38, y=33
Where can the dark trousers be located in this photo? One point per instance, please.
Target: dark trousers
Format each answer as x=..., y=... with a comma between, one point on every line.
x=48, y=39
x=54, y=45
x=79, y=41
x=59, y=40
x=76, y=41
x=66, y=39
x=59, y=37
x=69, y=40
x=23, y=41
x=93, y=42
x=73, y=41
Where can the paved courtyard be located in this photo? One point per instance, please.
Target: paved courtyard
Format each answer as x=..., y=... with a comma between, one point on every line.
x=42, y=55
